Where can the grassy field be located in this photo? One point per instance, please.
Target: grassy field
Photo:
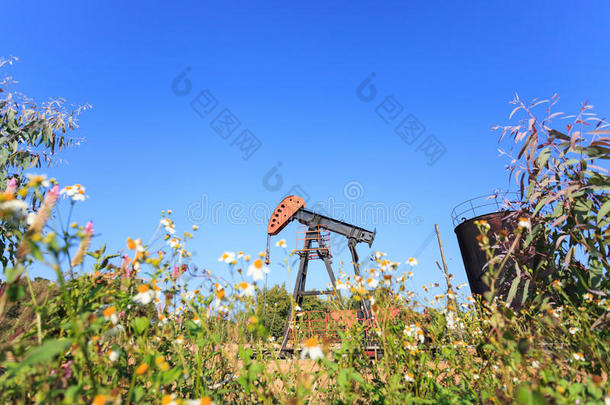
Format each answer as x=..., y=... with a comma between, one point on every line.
x=111, y=336
x=116, y=329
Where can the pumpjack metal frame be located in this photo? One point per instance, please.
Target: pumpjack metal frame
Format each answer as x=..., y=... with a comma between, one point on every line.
x=292, y=208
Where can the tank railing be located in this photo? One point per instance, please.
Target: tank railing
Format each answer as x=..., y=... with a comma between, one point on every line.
x=481, y=205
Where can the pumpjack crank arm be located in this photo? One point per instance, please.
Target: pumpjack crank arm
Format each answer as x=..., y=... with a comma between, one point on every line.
x=292, y=208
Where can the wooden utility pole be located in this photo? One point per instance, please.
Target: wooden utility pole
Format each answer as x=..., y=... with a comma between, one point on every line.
x=446, y=270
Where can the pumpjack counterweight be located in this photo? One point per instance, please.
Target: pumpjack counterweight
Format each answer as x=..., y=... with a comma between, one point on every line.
x=316, y=246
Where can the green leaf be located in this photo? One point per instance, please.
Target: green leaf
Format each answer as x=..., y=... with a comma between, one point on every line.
x=245, y=354
x=558, y=211
x=568, y=257
x=140, y=325
x=576, y=388
x=596, y=273
x=525, y=396
x=342, y=377
x=583, y=206
x=526, y=290
x=513, y=290
x=16, y=292
x=543, y=157
x=603, y=211
x=13, y=273
x=170, y=375
x=254, y=370
x=541, y=204
x=4, y=154
x=569, y=162
x=45, y=352
x=71, y=393
x=138, y=393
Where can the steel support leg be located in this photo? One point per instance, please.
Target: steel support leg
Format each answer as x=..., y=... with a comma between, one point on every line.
x=329, y=269
x=299, y=287
x=364, y=305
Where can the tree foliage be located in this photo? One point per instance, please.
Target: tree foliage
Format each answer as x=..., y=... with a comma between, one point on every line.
x=273, y=308
x=564, y=183
x=30, y=135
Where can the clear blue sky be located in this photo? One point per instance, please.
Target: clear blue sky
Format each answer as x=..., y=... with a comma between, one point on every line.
x=289, y=73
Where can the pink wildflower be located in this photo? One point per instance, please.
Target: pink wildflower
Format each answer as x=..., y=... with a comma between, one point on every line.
x=11, y=187
x=40, y=219
x=84, y=245
x=176, y=273
x=125, y=267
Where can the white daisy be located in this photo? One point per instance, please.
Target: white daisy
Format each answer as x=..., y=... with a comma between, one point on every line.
x=38, y=179
x=168, y=224
x=312, y=349
x=146, y=295
x=113, y=355
x=246, y=289
x=75, y=192
x=174, y=243
x=16, y=209
x=524, y=223
x=111, y=315
x=227, y=257
x=257, y=270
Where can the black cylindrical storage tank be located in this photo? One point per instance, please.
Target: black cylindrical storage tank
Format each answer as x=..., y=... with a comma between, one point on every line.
x=473, y=256
x=499, y=211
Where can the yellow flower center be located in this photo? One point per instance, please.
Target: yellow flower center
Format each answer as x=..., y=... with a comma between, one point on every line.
x=311, y=342
x=143, y=288
x=142, y=368
x=99, y=399
x=109, y=311
x=258, y=263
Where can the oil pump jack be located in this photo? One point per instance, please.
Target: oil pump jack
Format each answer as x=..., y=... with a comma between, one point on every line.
x=316, y=245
